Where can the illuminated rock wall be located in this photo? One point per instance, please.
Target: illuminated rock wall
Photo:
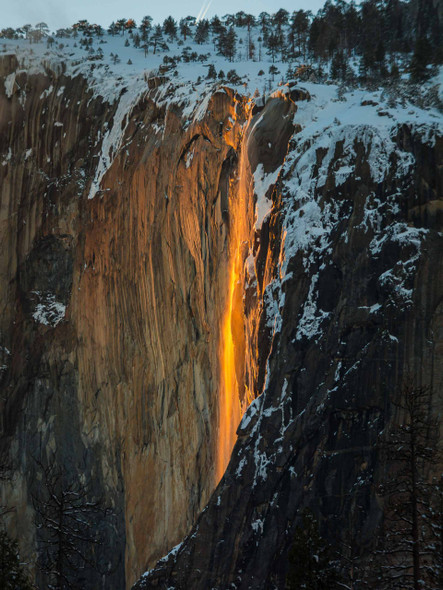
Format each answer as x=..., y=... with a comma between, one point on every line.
x=112, y=307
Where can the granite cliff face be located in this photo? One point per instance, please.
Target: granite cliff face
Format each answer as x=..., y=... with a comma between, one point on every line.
x=111, y=304
x=350, y=278
x=166, y=263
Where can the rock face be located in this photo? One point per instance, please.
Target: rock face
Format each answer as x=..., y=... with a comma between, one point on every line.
x=111, y=305
x=350, y=275
x=47, y=129
x=129, y=232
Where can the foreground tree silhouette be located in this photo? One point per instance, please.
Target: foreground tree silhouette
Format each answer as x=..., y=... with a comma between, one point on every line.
x=13, y=575
x=412, y=551
x=12, y=572
x=68, y=529
x=310, y=564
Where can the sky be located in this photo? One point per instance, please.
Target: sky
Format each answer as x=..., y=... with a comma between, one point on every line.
x=63, y=13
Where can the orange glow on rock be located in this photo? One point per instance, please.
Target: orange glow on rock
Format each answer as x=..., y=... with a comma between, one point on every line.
x=233, y=394
x=229, y=401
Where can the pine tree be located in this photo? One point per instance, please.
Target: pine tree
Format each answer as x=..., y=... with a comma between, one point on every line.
x=420, y=60
x=216, y=26
x=239, y=19
x=310, y=563
x=112, y=30
x=298, y=31
x=185, y=29
x=170, y=28
x=67, y=520
x=365, y=66
x=130, y=25
x=226, y=43
x=249, y=21
x=121, y=25
x=395, y=25
x=42, y=29
x=251, y=49
x=352, y=26
x=412, y=553
x=231, y=43
x=379, y=58
x=157, y=41
x=289, y=74
x=12, y=572
x=201, y=32
x=212, y=72
x=372, y=26
x=233, y=77
x=280, y=19
x=273, y=70
x=145, y=28
x=394, y=72
x=339, y=66
x=273, y=45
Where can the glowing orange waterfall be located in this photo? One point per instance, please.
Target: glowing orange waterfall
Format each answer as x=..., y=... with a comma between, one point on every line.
x=229, y=402
x=232, y=337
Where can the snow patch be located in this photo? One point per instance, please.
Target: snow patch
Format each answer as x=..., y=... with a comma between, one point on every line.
x=257, y=526
x=113, y=138
x=48, y=311
x=47, y=92
x=253, y=409
x=312, y=317
x=239, y=469
x=9, y=84
x=262, y=183
x=7, y=158
x=189, y=158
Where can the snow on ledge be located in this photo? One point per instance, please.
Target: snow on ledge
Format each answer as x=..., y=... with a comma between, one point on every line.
x=262, y=183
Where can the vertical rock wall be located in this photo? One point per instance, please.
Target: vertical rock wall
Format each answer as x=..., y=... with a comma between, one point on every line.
x=111, y=307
